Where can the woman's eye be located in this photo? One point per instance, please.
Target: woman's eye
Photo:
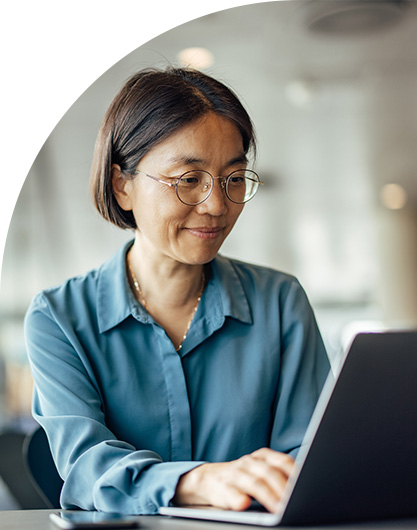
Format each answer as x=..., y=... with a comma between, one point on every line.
x=193, y=178
x=189, y=180
x=237, y=179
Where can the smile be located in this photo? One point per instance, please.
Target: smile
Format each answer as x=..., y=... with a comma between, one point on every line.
x=205, y=232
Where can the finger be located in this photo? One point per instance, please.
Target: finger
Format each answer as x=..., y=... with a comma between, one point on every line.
x=258, y=488
x=274, y=477
x=281, y=461
x=216, y=486
x=266, y=484
x=236, y=499
x=229, y=497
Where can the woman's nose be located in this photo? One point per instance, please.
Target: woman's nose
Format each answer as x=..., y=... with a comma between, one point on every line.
x=216, y=203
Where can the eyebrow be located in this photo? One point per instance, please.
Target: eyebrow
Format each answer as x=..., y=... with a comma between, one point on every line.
x=240, y=159
x=190, y=160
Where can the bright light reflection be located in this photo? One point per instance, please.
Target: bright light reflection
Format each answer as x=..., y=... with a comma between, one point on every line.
x=393, y=196
x=196, y=58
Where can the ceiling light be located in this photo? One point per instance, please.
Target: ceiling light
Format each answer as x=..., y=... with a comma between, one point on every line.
x=393, y=196
x=350, y=17
x=301, y=92
x=196, y=58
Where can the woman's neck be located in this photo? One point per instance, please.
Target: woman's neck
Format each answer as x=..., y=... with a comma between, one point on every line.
x=170, y=291
x=162, y=281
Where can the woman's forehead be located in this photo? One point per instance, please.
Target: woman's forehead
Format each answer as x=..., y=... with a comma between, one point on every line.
x=201, y=141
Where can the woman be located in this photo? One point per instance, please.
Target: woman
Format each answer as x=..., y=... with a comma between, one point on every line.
x=172, y=374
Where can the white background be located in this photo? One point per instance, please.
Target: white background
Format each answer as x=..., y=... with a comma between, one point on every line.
x=51, y=52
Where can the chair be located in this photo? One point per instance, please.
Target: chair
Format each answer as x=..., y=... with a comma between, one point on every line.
x=14, y=474
x=41, y=467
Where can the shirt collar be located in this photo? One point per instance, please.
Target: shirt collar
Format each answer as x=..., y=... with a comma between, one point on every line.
x=116, y=302
x=229, y=284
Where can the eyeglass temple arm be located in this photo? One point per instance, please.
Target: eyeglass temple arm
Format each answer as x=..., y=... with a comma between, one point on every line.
x=170, y=184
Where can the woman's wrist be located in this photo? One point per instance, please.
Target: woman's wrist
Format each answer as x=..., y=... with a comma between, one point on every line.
x=189, y=487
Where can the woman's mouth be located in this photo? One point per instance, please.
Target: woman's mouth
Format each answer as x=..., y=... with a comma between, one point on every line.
x=206, y=232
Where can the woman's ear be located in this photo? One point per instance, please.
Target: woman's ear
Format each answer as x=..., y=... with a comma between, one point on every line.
x=122, y=188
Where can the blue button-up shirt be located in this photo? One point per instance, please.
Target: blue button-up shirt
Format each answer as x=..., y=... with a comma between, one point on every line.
x=127, y=415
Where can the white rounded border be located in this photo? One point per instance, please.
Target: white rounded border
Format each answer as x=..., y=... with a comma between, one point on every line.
x=52, y=51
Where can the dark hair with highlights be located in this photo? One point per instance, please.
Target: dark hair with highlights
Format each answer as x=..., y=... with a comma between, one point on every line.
x=151, y=106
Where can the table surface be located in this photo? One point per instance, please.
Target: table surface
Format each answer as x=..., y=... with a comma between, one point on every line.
x=39, y=520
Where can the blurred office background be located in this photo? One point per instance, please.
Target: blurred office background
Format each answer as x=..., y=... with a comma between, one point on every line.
x=332, y=89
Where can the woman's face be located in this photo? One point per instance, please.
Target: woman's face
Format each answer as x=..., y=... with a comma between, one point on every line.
x=166, y=227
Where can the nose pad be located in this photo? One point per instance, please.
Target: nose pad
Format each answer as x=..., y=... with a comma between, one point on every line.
x=216, y=201
x=221, y=181
x=222, y=188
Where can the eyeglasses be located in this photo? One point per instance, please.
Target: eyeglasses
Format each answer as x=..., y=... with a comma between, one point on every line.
x=195, y=187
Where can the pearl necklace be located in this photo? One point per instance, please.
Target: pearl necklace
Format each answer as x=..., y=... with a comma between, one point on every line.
x=142, y=300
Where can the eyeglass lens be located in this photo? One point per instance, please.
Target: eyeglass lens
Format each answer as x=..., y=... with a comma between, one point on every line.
x=195, y=186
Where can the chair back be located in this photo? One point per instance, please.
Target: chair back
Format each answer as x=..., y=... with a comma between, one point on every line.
x=41, y=467
x=14, y=473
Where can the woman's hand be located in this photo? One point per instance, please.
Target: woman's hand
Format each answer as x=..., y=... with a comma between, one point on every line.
x=262, y=475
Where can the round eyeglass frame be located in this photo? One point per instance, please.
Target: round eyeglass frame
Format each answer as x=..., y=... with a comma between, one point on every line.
x=223, y=181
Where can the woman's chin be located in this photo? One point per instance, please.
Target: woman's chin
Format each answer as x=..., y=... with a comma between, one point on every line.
x=199, y=258
x=198, y=254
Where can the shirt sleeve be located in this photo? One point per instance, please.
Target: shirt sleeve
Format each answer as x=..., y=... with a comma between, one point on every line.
x=99, y=471
x=304, y=369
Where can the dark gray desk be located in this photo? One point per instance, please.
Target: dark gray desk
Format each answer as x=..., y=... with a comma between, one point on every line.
x=39, y=520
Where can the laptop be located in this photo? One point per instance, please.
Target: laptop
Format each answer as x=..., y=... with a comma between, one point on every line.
x=358, y=460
